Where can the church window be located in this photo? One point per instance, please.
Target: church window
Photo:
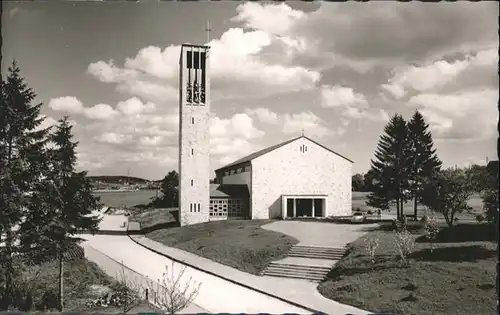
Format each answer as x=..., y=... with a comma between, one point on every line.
x=199, y=207
x=305, y=148
x=190, y=207
x=192, y=151
x=192, y=120
x=192, y=183
x=300, y=148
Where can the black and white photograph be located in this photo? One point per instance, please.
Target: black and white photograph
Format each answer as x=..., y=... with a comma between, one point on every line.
x=302, y=157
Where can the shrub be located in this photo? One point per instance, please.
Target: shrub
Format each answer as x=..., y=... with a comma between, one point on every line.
x=405, y=243
x=169, y=294
x=371, y=245
x=400, y=224
x=369, y=212
x=431, y=227
x=480, y=218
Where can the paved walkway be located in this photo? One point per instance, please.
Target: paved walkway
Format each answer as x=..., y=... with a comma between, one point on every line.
x=216, y=295
x=302, y=292
x=320, y=233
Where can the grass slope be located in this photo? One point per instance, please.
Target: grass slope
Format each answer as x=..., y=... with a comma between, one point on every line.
x=457, y=277
x=241, y=244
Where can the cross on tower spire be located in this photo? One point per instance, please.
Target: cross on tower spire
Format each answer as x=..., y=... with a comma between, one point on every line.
x=302, y=132
x=208, y=30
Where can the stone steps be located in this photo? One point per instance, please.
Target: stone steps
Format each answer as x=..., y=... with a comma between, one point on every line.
x=313, y=273
x=315, y=252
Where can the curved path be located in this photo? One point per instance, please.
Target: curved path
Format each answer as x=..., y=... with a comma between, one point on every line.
x=216, y=295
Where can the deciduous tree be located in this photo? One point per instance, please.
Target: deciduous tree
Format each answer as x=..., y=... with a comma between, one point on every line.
x=448, y=193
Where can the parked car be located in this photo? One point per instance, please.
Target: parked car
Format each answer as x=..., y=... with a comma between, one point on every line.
x=358, y=217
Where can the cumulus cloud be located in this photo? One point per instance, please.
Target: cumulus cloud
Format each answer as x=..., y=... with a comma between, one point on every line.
x=466, y=115
x=107, y=72
x=68, y=104
x=232, y=138
x=264, y=115
x=100, y=112
x=339, y=96
x=308, y=122
x=154, y=61
x=271, y=18
x=438, y=74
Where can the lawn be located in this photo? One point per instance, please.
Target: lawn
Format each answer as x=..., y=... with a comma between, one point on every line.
x=457, y=277
x=149, y=218
x=241, y=244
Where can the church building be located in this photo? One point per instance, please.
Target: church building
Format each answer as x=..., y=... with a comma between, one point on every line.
x=296, y=178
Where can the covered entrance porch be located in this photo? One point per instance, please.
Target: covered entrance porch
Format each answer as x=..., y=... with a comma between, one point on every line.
x=297, y=206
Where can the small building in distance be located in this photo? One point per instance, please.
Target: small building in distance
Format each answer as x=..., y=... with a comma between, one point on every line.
x=296, y=178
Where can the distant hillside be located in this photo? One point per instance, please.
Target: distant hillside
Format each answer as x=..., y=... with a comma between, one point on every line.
x=119, y=180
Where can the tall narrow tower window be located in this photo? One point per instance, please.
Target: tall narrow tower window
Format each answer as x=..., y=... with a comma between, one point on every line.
x=192, y=151
x=198, y=207
x=192, y=182
x=192, y=120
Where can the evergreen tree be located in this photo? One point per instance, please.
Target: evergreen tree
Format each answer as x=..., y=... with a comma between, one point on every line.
x=62, y=205
x=390, y=169
x=22, y=148
x=425, y=163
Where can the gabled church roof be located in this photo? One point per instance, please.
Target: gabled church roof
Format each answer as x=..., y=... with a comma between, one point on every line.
x=255, y=155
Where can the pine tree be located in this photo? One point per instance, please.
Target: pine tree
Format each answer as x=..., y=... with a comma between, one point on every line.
x=390, y=169
x=22, y=145
x=62, y=205
x=425, y=163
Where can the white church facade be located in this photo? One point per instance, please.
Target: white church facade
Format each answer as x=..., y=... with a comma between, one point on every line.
x=296, y=178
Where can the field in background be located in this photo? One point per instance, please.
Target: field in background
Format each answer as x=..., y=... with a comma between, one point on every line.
x=133, y=198
x=126, y=198
x=359, y=201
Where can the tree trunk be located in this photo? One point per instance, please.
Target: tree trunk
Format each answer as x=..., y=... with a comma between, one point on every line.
x=397, y=208
x=61, y=280
x=402, y=207
x=415, y=207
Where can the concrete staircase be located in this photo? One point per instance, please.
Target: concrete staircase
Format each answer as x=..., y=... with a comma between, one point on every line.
x=316, y=252
x=312, y=263
x=313, y=273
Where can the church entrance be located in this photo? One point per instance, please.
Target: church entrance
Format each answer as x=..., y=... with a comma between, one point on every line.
x=303, y=206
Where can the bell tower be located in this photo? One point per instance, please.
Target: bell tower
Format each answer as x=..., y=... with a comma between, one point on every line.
x=194, y=135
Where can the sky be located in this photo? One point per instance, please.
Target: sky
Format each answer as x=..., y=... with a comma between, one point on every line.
x=337, y=71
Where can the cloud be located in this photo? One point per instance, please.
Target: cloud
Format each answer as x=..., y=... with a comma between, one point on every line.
x=156, y=62
x=339, y=96
x=232, y=138
x=468, y=115
x=440, y=73
x=100, y=112
x=350, y=104
x=307, y=121
x=271, y=18
x=238, y=68
x=364, y=35
x=264, y=115
x=106, y=72
x=68, y=104
x=112, y=138
x=135, y=106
